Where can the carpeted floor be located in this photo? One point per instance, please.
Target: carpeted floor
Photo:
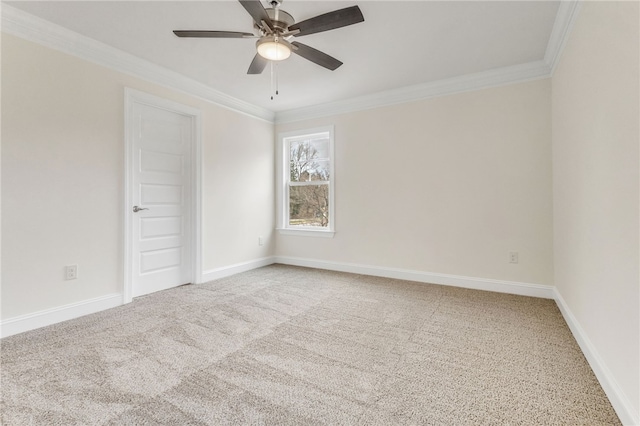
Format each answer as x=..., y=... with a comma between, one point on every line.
x=283, y=345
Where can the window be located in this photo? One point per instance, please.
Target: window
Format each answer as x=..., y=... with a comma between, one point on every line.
x=306, y=199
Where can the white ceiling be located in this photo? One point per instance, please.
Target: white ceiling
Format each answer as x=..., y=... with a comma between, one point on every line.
x=401, y=43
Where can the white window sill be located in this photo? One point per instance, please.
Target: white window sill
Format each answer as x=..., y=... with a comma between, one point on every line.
x=306, y=232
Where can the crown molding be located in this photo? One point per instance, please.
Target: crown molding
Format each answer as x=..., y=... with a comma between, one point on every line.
x=482, y=80
x=563, y=24
x=565, y=19
x=37, y=30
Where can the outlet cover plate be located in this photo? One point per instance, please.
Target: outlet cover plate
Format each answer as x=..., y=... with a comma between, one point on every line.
x=71, y=272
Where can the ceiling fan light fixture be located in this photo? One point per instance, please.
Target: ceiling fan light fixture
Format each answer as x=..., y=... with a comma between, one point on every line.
x=273, y=48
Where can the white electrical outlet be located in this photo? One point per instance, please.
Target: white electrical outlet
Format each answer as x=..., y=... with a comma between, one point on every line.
x=71, y=272
x=260, y=241
x=513, y=257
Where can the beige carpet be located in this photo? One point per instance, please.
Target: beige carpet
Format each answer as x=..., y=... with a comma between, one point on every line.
x=292, y=346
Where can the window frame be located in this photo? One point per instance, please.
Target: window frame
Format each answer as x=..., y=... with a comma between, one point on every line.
x=283, y=167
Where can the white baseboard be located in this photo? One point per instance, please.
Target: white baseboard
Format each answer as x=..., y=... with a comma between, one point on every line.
x=51, y=316
x=46, y=317
x=511, y=287
x=618, y=399
x=226, y=271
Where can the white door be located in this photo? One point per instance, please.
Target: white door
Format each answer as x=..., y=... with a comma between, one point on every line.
x=161, y=228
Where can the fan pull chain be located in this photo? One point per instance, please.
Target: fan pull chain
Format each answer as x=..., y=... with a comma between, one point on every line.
x=276, y=67
x=276, y=79
x=271, y=64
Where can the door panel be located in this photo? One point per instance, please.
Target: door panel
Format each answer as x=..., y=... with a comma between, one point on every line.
x=154, y=161
x=161, y=194
x=164, y=259
x=161, y=182
x=154, y=227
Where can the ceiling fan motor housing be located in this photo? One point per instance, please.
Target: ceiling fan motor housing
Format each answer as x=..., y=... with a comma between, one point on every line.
x=281, y=20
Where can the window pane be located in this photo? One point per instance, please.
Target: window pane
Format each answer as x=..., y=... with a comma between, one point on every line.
x=309, y=160
x=309, y=205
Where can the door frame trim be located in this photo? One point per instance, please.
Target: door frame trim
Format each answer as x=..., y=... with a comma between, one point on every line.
x=132, y=96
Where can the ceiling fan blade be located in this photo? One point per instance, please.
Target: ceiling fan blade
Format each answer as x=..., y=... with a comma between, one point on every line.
x=329, y=21
x=257, y=12
x=316, y=56
x=257, y=65
x=212, y=34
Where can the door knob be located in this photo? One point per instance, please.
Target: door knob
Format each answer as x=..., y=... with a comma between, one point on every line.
x=136, y=209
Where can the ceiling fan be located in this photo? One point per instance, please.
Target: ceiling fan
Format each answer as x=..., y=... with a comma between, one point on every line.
x=278, y=27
